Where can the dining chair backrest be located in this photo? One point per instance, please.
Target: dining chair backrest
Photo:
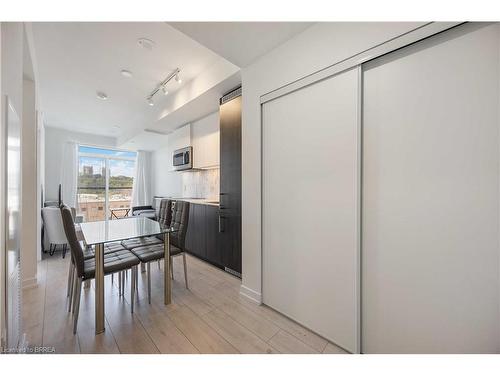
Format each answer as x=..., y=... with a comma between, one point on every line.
x=156, y=205
x=74, y=244
x=165, y=212
x=53, y=225
x=180, y=219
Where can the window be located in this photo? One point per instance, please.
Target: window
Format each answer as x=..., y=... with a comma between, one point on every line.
x=105, y=180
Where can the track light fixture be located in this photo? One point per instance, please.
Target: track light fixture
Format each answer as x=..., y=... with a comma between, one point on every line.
x=163, y=86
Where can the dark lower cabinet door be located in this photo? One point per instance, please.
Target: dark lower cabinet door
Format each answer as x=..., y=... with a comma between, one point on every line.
x=200, y=244
x=195, y=235
x=230, y=241
x=191, y=230
x=212, y=235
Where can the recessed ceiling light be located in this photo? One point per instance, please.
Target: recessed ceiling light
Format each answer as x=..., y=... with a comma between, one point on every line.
x=101, y=95
x=126, y=73
x=146, y=43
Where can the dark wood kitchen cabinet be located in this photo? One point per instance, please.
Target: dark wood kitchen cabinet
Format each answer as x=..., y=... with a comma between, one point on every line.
x=230, y=181
x=200, y=229
x=190, y=233
x=202, y=237
x=212, y=235
x=196, y=231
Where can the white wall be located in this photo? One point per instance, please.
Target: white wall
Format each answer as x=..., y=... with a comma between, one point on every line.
x=316, y=48
x=2, y=239
x=30, y=208
x=40, y=175
x=55, y=139
x=11, y=85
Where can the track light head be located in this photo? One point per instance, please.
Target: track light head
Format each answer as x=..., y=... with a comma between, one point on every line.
x=164, y=89
x=150, y=101
x=178, y=79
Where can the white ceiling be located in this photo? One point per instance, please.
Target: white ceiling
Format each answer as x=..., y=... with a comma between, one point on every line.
x=241, y=42
x=75, y=60
x=192, y=110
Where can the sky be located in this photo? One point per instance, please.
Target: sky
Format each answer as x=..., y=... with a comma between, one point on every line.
x=117, y=167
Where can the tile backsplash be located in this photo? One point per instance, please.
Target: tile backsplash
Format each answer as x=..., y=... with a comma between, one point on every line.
x=201, y=184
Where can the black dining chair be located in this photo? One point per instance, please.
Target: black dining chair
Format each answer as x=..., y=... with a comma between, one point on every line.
x=88, y=253
x=85, y=268
x=164, y=217
x=149, y=253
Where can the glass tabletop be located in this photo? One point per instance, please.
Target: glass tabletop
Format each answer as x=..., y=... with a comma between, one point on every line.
x=122, y=229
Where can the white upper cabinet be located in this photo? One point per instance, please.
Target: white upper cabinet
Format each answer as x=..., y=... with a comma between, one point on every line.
x=205, y=141
x=180, y=138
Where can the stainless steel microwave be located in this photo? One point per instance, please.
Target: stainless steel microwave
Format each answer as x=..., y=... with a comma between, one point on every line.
x=183, y=159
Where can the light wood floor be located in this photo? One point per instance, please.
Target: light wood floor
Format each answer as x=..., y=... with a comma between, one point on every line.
x=210, y=317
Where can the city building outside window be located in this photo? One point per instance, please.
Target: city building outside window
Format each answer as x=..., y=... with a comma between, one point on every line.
x=105, y=180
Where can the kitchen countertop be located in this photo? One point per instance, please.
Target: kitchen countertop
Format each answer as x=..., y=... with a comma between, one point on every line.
x=209, y=202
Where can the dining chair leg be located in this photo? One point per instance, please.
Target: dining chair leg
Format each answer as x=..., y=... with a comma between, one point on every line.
x=119, y=283
x=148, y=271
x=159, y=267
x=70, y=278
x=112, y=278
x=136, y=282
x=65, y=247
x=124, y=275
x=133, y=271
x=75, y=292
x=72, y=291
x=76, y=304
x=185, y=269
x=171, y=268
x=143, y=268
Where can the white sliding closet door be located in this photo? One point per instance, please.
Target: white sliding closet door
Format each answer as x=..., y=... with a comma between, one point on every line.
x=310, y=197
x=430, y=252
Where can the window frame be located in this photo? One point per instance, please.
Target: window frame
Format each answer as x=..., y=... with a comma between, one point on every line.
x=106, y=159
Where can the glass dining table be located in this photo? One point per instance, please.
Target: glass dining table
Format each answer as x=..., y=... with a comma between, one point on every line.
x=98, y=233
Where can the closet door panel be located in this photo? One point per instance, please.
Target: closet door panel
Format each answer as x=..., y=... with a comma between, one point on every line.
x=310, y=191
x=430, y=250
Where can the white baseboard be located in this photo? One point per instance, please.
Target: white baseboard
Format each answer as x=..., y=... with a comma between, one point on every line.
x=251, y=294
x=29, y=283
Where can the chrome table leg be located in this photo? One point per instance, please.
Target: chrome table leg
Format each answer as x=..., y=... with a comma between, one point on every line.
x=167, y=280
x=148, y=272
x=185, y=269
x=99, y=288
